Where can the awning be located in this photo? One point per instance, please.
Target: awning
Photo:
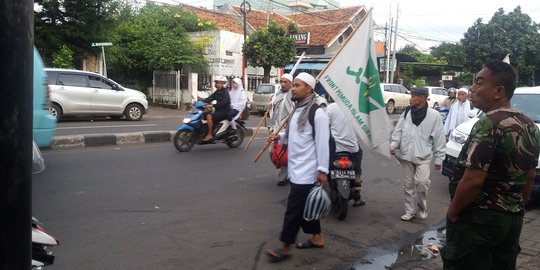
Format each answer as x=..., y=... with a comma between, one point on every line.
x=307, y=65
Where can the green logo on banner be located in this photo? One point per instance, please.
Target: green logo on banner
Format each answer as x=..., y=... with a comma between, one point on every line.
x=370, y=98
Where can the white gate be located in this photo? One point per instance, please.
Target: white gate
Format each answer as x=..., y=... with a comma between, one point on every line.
x=170, y=88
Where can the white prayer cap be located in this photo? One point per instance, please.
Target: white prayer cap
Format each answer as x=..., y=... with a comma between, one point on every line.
x=463, y=90
x=307, y=78
x=287, y=76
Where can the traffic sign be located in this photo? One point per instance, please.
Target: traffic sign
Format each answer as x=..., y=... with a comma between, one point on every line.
x=97, y=44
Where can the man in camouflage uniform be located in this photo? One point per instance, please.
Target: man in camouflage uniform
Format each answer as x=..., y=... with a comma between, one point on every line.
x=493, y=178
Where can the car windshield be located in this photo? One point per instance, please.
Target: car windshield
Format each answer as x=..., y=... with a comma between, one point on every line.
x=265, y=89
x=528, y=105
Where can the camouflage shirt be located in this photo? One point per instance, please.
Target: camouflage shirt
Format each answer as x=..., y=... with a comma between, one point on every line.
x=505, y=144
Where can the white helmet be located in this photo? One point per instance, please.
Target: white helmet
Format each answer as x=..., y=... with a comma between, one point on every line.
x=318, y=204
x=220, y=78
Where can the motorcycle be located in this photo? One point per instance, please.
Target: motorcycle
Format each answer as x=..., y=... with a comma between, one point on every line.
x=42, y=245
x=194, y=128
x=342, y=175
x=42, y=241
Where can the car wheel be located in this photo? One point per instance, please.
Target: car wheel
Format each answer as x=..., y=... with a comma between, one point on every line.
x=390, y=107
x=134, y=112
x=56, y=111
x=261, y=113
x=436, y=105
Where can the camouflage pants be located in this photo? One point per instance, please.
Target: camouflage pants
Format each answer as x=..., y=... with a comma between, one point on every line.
x=482, y=239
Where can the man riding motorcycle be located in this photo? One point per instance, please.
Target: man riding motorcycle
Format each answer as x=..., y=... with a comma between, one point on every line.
x=222, y=107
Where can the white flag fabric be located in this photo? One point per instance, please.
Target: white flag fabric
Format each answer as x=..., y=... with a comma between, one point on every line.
x=507, y=58
x=352, y=80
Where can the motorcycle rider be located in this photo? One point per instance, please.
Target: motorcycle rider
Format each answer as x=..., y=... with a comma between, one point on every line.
x=451, y=99
x=222, y=107
x=345, y=141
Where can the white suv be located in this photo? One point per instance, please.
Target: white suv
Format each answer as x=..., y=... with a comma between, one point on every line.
x=526, y=100
x=395, y=96
x=76, y=92
x=436, y=95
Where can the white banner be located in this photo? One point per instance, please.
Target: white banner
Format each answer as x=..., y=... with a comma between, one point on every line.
x=352, y=80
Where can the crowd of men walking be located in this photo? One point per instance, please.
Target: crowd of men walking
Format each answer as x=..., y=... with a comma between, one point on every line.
x=492, y=179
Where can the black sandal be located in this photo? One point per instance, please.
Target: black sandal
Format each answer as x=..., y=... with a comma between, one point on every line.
x=277, y=255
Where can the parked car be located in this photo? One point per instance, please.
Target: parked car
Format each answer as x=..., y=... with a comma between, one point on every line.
x=43, y=124
x=263, y=95
x=525, y=99
x=76, y=92
x=395, y=96
x=436, y=95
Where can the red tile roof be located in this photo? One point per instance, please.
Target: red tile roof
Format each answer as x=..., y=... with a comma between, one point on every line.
x=223, y=21
x=324, y=25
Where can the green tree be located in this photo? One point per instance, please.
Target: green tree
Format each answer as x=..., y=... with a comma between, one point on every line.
x=63, y=58
x=414, y=74
x=513, y=33
x=77, y=23
x=269, y=47
x=451, y=53
x=156, y=38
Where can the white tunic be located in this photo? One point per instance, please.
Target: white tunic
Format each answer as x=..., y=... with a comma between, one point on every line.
x=341, y=129
x=308, y=157
x=459, y=113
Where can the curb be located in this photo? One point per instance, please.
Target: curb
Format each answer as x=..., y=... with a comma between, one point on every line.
x=79, y=141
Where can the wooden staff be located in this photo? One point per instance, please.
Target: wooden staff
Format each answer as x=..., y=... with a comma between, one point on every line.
x=257, y=129
x=283, y=123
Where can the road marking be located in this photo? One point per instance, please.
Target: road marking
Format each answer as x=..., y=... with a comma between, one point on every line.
x=146, y=125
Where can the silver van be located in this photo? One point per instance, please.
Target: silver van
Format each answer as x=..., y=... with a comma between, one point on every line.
x=263, y=95
x=77, y=92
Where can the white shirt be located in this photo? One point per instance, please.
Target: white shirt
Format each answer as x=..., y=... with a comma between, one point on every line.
x=308, y=157
x=341, y=129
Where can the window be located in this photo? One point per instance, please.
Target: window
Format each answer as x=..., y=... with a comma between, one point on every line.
x=97, y=82
x=72, y=80
x=265, y=89
x=402, y=89
x=387, y=88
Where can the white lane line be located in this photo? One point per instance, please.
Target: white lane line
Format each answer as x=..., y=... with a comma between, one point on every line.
x=121, y=126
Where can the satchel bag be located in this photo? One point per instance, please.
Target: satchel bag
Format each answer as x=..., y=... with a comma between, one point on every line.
x=278, y=155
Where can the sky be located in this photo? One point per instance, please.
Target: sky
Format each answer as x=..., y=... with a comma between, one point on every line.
x=427, y=23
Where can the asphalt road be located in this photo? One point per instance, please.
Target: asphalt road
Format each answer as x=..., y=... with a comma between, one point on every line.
x=158, y=119
x=150, y=207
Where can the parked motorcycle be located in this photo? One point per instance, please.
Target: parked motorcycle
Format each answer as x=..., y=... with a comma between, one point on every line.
x=42, y=246
x=194, y=128
x=342, y=175
x=42, y=241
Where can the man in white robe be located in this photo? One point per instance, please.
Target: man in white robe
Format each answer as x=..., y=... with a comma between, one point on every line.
x=459, y=112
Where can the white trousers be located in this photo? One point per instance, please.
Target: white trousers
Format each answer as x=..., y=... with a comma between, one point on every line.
x=415, y=186
x=283, y=173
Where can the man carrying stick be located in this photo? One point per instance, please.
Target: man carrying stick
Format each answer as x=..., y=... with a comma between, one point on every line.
x=308, y=162
x=281, y=105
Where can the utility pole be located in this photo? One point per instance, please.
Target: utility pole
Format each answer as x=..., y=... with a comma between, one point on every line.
x=16, y=84
x=388, y=46
x=244, y=65
x=395, y=42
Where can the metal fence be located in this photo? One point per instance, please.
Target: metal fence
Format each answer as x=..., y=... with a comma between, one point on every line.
x=170, y=88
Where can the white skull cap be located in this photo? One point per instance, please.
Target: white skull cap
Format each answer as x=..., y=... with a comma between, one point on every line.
x=307, y=78
x=287, y=76
x=463, y=90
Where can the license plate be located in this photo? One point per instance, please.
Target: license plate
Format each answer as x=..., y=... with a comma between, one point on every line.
x=342, y=174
